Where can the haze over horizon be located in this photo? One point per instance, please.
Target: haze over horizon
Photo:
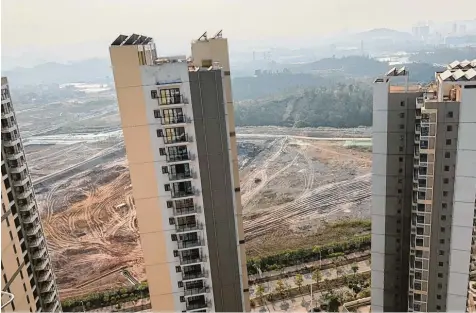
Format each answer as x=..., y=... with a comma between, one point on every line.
x=31, y=34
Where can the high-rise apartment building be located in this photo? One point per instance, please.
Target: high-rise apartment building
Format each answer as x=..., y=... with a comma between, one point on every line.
x=27, y=273
x=181, y=153
x=423, y=190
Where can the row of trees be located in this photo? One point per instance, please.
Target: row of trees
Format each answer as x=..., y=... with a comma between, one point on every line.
x=332, y=298
x=304, y=255
x=107, y=298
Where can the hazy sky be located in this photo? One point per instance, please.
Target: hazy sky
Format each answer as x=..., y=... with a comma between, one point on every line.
x=84, y=28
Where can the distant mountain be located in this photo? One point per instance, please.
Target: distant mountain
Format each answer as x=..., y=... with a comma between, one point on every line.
x=382, y=33
x=90, y=70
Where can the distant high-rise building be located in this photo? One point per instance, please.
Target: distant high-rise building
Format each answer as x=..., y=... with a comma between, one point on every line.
x=27, y=273
x=423, y=191
x=177, y=121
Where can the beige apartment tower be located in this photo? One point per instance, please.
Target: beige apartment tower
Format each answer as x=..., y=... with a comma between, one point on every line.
x=27, y=274
x=424, y=191
x=177, y=121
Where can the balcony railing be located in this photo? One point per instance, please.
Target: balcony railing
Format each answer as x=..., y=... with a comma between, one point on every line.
x=178, y=157
x=13, y=154
x=36, y=242
x=46, y=286
x=50, y=297
x=171, y=120
x=11, y=139
x=40, y=264
x=26, y=204
x=190, y=243
x=20, y=180
x=41, y=250
x=45, y=276
x=182, y=193
x=192, y=259
x=197, y=305
x=29, y=218
x=188, y=227
x=176, y=139
x=187, y=210
x=17, y=166
x=25, y=193
x=30, y=231
x=171, y=100
x=196, y=291
x=8, y=127
x=179, y=176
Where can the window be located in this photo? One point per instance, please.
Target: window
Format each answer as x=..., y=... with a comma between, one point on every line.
x=402, y=115
x=402, y=103
x=180, y=284
x=15, y=250
x=400, y=170
x=167, y=187
x=182, y=299
x=178, y=269
x=438, y=307
x=173, y=237
x=162, y=151
x=24, y=286
x=447, y=168
x=449, y=114
x=206, y=63
x=445, y=193
x=11, y=235
x=400, y=181
x=442, y=241
x=160, y=133
x=447, y=155
x=441, y=252
x=399, y=191
x=400, y=149
x=175, y=253
x=449, y=128
x=440, y=286
x=27, y=299
x=444, y=205
x=402, y=126
x=440, y=263
x=443, y=217
x=165, y=170
x=13, y=305
x=171, y=221
x=153, y=94
x=448, y=142
x=438, y=297
x=400, y=159
x=446, y=180
x=442, y=229
x=170, y=204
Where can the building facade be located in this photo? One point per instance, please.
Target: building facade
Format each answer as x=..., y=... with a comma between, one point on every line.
x=176, y=131
x=423, y=191
x=27, y=273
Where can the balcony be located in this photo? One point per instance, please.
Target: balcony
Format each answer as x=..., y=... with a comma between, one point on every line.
x=197, y=305
x=25, y=193
x=20, y=180
x=11, y=139
x=182, y=228
x=182, y=138
x=176, y=99
x=182, y=193
x=46, y=286
x=186, y=244
x=196, y=274
x=35, y=243
x=192, y=259
x=186, y=210
x=40, y=252
x=179, y=157
x=29, y=218
x=50, y=298
x=13, y=153
x=45, y=276
x=196, y=291
x=40, y=264
x=33, y=230
x=7, y=110
x=8, y=126
x=26, y=204
x=17, y=166
x=172, y=120
x=179, y=176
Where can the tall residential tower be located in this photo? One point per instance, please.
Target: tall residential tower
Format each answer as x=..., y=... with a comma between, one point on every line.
x=26, y=267
x=176, y=128
x=423, y=190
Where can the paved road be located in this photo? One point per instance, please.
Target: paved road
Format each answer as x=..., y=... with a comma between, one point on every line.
x=302, y=137
x=364, y=266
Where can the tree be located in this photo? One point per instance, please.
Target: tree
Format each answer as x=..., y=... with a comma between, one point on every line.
x=317, y=276
x=355, y=268
x=280, y=288
x=298, y=280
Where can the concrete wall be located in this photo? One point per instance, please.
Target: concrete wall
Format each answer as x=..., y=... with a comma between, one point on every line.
x=217, y=187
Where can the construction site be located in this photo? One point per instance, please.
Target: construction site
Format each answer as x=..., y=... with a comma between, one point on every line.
x=293, y=184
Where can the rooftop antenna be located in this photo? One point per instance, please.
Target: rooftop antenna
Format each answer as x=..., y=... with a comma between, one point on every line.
x=203, y=36
x=219, y=34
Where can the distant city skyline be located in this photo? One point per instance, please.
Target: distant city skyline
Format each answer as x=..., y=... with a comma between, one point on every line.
x=81, y=29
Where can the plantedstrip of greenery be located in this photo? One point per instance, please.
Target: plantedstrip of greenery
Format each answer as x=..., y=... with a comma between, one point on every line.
x=106, y=298
x=299, y=256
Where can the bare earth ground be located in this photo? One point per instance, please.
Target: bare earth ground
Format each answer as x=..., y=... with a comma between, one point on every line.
x=291, y=190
